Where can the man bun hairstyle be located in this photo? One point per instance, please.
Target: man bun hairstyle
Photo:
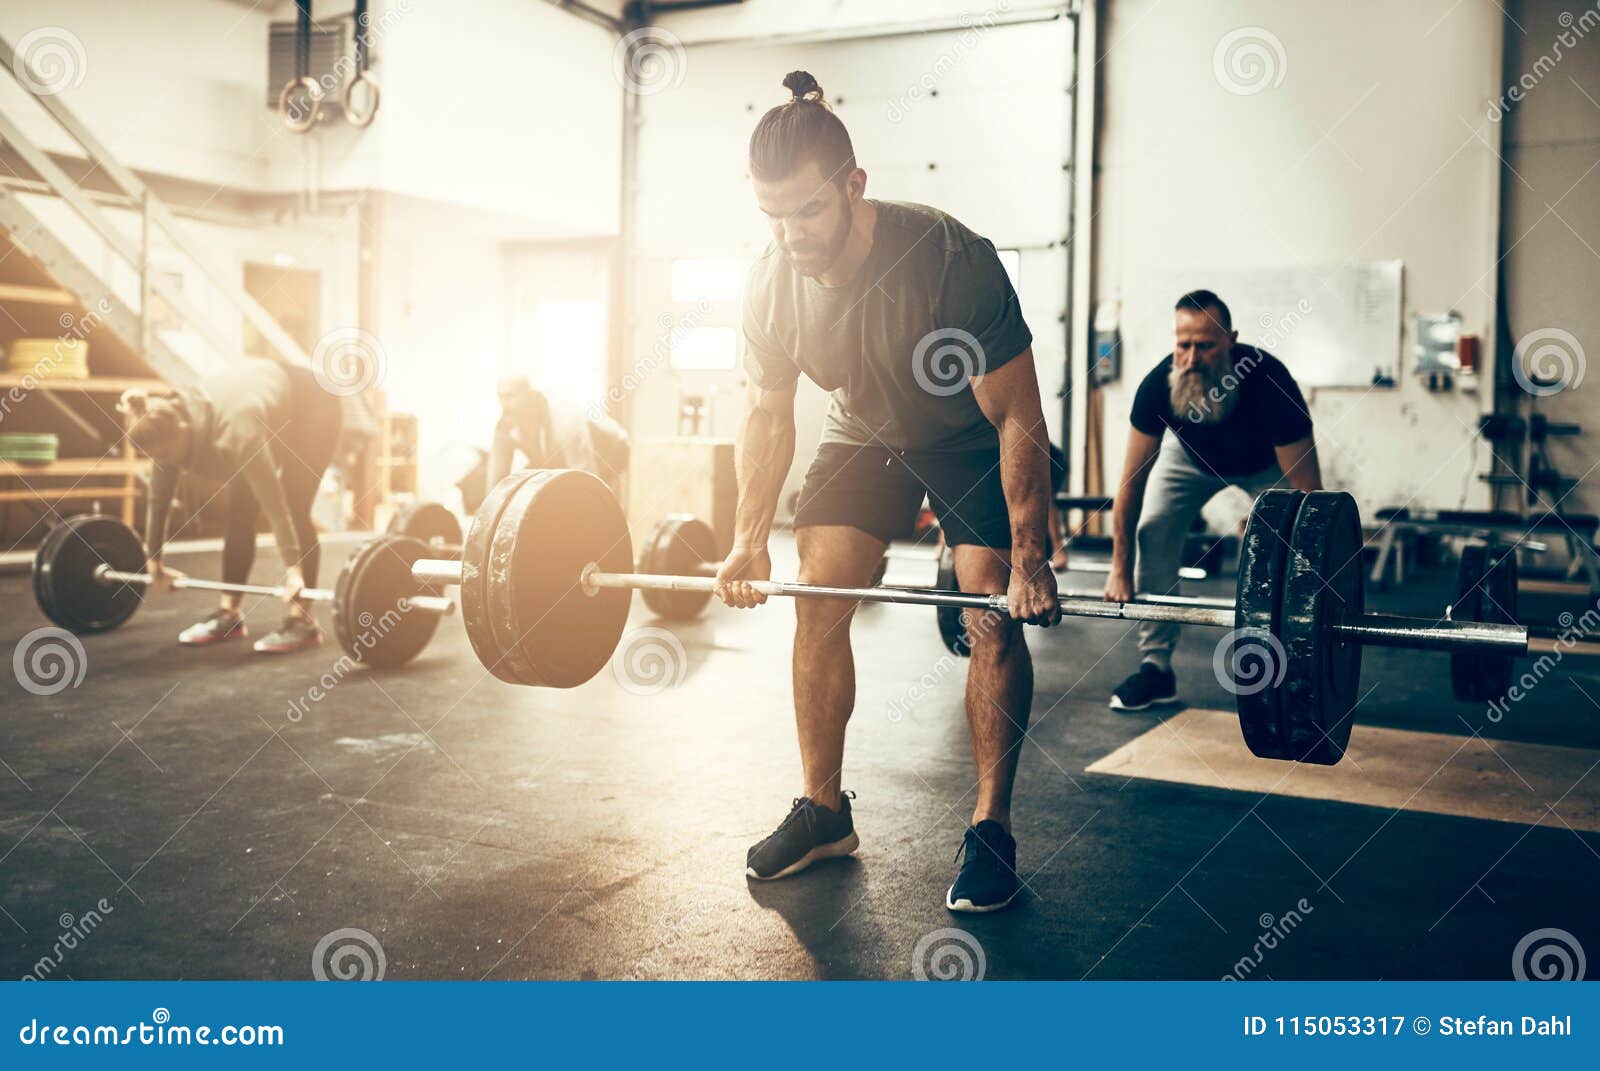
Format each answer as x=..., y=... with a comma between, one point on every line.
x=1206, y=302
x=803, y=128
x=803, y=86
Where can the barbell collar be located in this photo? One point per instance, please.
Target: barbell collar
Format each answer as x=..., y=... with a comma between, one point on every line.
x=436, y=571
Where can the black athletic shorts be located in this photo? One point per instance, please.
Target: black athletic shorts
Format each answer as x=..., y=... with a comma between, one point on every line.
x=880, y=490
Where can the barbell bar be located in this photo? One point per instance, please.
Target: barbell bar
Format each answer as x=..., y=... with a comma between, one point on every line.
x=1172, y=608
x=681, y=544
x=545, y=583
x=1372, y=630
x=953, y=630
x=104, y=574
x=87, y=578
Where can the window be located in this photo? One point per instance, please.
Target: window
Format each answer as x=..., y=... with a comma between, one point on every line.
x=570, y=337
x=703, y=349
x=1011, y=261
x=705, y=279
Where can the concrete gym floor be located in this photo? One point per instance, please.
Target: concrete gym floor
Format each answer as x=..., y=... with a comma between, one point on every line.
x=480, y=830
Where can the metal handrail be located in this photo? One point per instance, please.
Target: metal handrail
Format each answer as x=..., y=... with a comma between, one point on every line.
x=155, y=213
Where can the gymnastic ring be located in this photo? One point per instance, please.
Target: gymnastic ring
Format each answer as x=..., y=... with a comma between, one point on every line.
x=309, y=120
x=354, y=116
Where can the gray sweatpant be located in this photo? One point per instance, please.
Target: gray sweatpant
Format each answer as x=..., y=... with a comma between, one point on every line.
x=1176, y=492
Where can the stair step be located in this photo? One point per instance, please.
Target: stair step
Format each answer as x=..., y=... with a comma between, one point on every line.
x=35, y=295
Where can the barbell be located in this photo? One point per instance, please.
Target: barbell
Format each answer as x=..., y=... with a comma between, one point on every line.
x=545, y=582
x=680, y=544
x=430, y=522
x=953, y=629
x=87, y=577
x=1486, y=591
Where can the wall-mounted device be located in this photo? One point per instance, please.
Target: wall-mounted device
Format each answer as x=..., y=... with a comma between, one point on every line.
x=1437, y=336
x=1106, y=362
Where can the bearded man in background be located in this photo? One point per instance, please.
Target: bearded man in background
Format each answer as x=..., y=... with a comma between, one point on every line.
x=1214, y=413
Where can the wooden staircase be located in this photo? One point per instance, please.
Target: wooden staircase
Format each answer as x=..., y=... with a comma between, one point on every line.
x=96, y=469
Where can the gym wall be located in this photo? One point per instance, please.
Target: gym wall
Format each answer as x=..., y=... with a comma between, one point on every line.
x=1243, y=181
x=502, y=124
x=477, y=147
x=1552, y=262
x=990, y=147
x=200, y=71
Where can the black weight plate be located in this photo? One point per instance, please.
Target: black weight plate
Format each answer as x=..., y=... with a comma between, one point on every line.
x=372, y=616
x=679, y=545
x=46, y=551
x=1500, y=604
x=431, y=523
x=952, y=628
x=553, y=633
x=1254, y=665
x=345, y=625
x=502, y=591
x=1472, y=571
x=1486, y=590
x=66, y=581
x=475, y=573
x=1323, y=588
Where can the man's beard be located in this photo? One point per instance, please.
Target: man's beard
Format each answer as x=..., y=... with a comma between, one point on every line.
x=1204, y=395
x=830, y=253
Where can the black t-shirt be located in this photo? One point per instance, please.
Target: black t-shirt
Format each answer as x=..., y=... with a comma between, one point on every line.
x=1270, y=412
x=931, y=307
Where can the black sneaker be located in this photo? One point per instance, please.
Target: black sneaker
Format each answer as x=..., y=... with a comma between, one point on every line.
x=811, y=833
x=1149, y=687
x=988, y=879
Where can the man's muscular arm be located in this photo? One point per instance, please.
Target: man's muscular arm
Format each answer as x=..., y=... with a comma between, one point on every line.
x=1129, y=502
x=1009, y=397
x=762, y=458
x=1298, y=460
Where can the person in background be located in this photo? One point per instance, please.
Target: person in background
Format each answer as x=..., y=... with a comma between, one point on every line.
x=267, y=433
x=552, y=435
x=1058, y=533
x=1231, y=415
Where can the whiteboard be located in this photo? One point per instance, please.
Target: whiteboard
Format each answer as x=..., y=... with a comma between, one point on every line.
x=1333, y=326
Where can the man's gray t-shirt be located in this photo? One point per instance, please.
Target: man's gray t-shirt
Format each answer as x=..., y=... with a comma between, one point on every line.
x=895, y=344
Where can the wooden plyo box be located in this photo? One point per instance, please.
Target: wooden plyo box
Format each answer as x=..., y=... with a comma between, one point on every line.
x=682, y=475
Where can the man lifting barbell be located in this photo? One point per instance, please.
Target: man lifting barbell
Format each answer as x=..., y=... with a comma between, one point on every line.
x=545, y=588
x=268, y=433
x=555, y=435
x=1236, y=418
x=909, y=319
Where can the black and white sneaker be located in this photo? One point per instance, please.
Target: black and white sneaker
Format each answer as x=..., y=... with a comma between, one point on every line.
x=810, y=834
x=295, y=634
x=988, y=878
x=221, y=626
x=1151, y=686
